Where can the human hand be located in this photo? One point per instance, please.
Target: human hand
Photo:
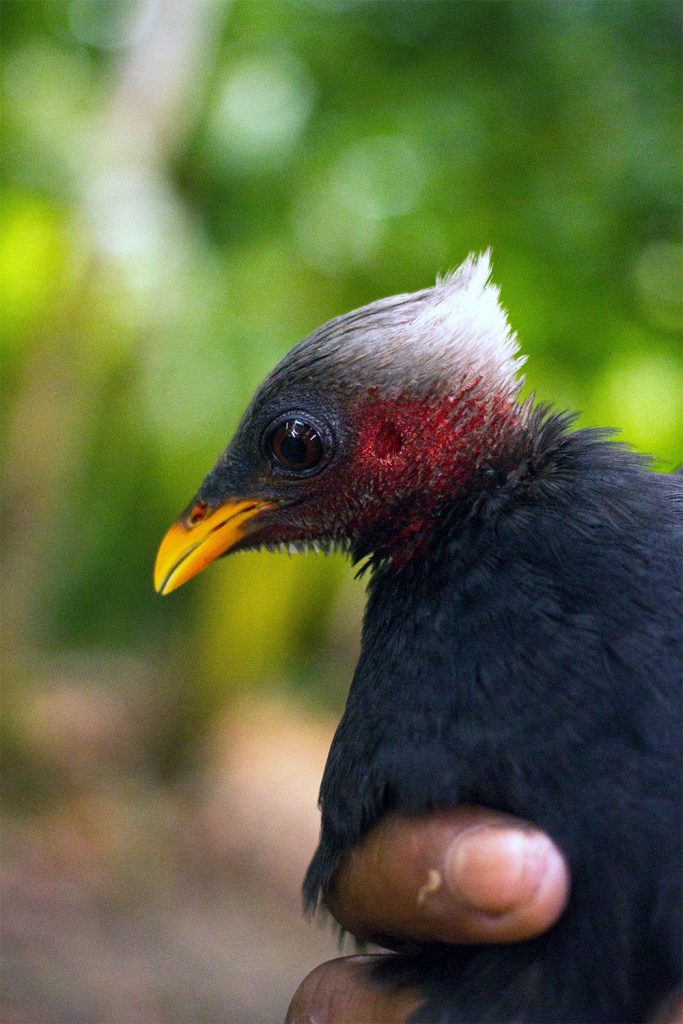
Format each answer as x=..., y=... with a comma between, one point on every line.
x=470, y=875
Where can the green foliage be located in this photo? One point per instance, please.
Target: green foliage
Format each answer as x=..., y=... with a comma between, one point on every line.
x=316, y=155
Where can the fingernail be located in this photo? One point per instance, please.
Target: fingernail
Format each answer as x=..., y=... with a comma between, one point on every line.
x=494, y=868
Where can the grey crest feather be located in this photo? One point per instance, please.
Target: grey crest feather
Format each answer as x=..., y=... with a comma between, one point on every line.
x=429, y=342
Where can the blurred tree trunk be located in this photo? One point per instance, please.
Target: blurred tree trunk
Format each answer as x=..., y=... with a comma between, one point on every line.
x=154, y=98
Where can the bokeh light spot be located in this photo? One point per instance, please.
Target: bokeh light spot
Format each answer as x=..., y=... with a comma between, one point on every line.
x=261, y=108
x=380, y=177
x=658, y=273
x=332, y=235
x=641, y=394
x=32, y=251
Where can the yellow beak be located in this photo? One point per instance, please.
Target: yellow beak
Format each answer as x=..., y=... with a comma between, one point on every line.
x=201, y=536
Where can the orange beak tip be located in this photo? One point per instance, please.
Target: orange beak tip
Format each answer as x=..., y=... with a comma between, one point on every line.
x=173, y=548
x=187, y=549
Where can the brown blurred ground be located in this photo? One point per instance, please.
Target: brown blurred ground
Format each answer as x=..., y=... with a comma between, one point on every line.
x=131, y=903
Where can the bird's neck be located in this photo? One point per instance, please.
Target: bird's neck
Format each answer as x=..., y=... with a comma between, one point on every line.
x=419, y=462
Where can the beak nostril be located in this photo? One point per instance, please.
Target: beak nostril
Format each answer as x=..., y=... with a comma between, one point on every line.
x=187, y=549
x=198, y=513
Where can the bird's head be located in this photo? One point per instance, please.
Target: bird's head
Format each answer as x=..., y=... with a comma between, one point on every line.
x=363, y=433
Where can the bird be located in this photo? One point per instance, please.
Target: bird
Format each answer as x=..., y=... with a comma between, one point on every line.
x=521, y=643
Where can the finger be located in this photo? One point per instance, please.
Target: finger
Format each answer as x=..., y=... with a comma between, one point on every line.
x=469, y=875
x=670, y=1010
x=343, y=990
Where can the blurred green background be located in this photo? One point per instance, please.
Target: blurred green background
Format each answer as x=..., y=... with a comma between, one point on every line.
x=189, y=188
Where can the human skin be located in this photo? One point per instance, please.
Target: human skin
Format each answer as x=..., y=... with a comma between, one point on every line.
x=469, y=875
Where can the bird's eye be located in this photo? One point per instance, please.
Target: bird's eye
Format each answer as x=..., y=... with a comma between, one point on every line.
x=296, y=445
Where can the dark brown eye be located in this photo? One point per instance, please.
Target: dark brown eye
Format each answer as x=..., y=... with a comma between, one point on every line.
x=296, y=445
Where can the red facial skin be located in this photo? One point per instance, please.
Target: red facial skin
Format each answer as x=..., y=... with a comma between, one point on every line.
x=412, y=456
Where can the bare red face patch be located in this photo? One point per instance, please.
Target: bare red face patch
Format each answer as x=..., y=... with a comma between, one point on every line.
x=411, y=454
x=388, y=441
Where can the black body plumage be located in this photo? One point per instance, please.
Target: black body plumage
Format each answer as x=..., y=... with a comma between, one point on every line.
x=522, y=639
x=531, y=660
